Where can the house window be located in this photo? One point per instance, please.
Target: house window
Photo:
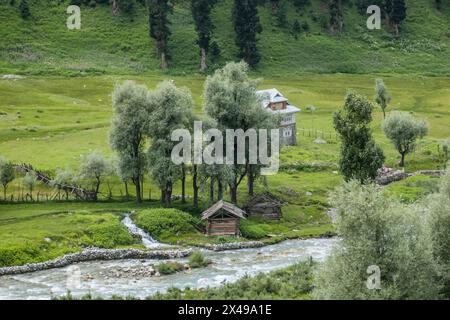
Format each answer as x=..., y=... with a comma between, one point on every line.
x=288, y=118
x=287, y=132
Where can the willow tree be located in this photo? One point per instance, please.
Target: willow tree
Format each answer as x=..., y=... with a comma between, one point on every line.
x=404, y=130
x=201, y=12
x=131, y=108
x=93, y=168
x=231, y=100
x=7, y=174
x=158, y=12
x=384, y=251
x=439, y=221
x=171, y=110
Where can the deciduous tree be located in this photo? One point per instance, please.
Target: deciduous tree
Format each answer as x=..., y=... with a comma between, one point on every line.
x=171, y=109
x=131, y=110
x=360, y=156
x=403, y=130
x=382, y=96
x=7, y=174
x=94, y=167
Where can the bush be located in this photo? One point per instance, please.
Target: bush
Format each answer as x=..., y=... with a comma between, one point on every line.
x=165, y=222
x=169, y=267
x=252, y=231
x=294, y=282
x=198, y=260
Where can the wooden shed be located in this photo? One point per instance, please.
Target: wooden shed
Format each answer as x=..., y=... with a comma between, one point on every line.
x=222, y=219
x=265, y=205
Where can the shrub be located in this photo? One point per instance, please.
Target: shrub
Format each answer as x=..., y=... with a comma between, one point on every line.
x=169, y=267
x=376, y=230
x=252, y=231
x=198, y=260
x=163, y=222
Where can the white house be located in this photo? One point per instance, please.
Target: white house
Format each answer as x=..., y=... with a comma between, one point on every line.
x=275, y=102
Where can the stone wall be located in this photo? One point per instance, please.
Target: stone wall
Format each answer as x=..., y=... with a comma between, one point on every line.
x=95, y=254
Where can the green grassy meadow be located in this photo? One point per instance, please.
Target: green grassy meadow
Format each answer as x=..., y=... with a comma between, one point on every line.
x=51, y=121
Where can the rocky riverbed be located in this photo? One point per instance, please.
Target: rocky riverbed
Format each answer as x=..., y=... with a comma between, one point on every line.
x=95, y=254
x=137, y=276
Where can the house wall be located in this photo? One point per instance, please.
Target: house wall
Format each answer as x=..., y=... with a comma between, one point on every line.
x=267, y=211
x=288, y=134
x=278, y=105
x=222, y=227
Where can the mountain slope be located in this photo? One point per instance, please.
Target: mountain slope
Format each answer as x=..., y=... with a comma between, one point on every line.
x=121, y=45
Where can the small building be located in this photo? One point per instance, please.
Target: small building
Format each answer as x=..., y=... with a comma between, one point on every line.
x=276, y=103
x=223, y=219
x=265, y=205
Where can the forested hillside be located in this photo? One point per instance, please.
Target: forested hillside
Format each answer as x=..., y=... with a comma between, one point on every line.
x=320, y=36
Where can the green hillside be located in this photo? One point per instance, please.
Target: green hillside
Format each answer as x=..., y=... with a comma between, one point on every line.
x=121, y=45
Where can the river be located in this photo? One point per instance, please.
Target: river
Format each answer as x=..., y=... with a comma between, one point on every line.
x=121, y=277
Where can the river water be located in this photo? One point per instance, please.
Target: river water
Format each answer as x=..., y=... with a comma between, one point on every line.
x=124, y=277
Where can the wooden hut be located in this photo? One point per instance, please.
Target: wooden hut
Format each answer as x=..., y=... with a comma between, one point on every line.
x=222, y=219
x=265, y=205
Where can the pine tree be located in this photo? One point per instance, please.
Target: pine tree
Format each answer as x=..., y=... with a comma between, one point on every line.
x=296, y=29
x=201, y=12
x=247, y=26
x=24, y=9
x=336, y=16
x=398, y=14
x=158, y=11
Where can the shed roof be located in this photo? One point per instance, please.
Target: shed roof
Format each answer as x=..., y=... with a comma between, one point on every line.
x=228, y=207
x=267, y=197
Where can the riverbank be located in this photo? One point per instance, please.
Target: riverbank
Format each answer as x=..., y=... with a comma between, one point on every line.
x=95, y=254
x=104, y=279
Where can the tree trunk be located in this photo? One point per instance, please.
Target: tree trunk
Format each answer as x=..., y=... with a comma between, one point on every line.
x=142, y=188
x=402, y=161
x=194, y=185
x=183, y=184
x=203, y=65
x=164, y=65
x=137, y=183
x=97, y=188
x=384, y=113
x=219, y=190
x=233, y=193
x=396, y=29
x=127, y=193
x=211, y=190
x=168, y=195
x=115, y=8
x=4, y=192
x=250, y=184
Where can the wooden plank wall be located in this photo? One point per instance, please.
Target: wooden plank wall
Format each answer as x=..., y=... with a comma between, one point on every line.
x=223, y=226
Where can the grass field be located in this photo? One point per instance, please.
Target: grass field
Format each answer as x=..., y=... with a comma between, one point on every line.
x=55, y=112
x=59, y=119
x=109, y=44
